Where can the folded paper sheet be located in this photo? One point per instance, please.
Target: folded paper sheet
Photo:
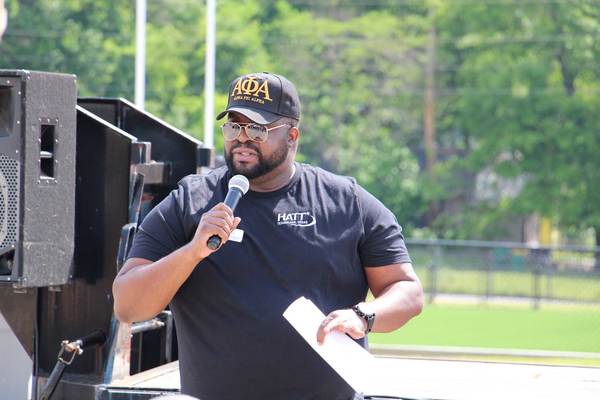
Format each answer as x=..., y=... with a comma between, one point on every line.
x=350, y=360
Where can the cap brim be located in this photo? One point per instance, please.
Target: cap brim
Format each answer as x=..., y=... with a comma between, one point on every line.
x=258, y=116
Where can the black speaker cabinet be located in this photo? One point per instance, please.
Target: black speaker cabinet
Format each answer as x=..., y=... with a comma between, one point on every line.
x=37, y=177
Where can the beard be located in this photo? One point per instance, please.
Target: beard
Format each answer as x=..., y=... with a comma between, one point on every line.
x=264, y=165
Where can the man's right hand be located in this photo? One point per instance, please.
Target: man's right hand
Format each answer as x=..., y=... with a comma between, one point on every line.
x=219, y=221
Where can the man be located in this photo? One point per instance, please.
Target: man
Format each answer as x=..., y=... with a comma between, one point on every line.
x=307, y=232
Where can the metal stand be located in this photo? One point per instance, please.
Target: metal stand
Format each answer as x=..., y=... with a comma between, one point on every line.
x=66, y=355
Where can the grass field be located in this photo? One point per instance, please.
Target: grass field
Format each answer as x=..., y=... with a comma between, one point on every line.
x=552, y=327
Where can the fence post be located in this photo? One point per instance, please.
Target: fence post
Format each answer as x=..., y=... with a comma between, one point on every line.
x=433, y=275
x=537, y=274
x=549, y=281
x=488, y=276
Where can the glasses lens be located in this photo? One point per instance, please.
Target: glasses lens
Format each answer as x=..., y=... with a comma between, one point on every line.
x=257, y=133
x=231, y=130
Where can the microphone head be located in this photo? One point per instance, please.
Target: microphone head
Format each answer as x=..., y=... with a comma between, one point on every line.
x=240, y=182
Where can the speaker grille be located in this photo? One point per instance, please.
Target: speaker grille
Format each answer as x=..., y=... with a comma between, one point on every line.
x=9, y=201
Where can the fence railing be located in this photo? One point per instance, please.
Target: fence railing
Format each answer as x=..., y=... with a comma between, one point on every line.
x=496, y=270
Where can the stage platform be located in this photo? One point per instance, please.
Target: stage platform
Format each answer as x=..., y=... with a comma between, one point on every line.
x=444, y=380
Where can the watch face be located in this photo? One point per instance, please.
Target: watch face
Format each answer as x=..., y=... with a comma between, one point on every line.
x=365, y=309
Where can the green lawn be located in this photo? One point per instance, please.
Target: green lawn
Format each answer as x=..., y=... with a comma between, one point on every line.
x=559, y=328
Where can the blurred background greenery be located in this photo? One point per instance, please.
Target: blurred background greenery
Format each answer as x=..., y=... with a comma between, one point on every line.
x=465, y=117
x=469, y=119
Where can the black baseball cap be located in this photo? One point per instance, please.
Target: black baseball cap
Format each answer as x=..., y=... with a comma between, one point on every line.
x=263, y=97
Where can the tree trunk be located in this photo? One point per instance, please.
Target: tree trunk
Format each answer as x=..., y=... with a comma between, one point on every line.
x=597, y=252
x=429, y=133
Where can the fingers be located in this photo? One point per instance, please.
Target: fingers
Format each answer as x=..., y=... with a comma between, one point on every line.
x=220, y=211
x=222, y=206
x=221, y=221
x=236, y=222
x=217, y=221
x=216, y=226
x=345, y=321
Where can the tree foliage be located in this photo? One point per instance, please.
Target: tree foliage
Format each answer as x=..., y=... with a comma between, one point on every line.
x=522, y=91
x=516, y=90
x=89, y=38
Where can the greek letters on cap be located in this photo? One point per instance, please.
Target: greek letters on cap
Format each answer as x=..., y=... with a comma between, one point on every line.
x=250, y=88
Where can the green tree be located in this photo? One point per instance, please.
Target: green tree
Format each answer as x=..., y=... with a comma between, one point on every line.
x=522, y=89
x=92, y=39
x=357, y=80
x=515, y=90
x=175, y=63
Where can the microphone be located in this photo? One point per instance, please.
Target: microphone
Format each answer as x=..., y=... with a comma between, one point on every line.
x=238, y=186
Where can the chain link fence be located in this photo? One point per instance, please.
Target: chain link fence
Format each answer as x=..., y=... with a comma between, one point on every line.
x=487, y=271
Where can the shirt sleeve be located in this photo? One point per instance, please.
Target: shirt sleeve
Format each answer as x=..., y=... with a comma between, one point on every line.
x=162, y=230
x=382, y=242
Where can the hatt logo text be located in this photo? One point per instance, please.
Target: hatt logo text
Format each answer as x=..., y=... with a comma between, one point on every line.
x=302, y=219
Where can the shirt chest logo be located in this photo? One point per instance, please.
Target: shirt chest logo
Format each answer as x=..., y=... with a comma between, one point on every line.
x=302, y=219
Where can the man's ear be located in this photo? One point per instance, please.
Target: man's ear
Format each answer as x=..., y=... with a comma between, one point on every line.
x=293, y=134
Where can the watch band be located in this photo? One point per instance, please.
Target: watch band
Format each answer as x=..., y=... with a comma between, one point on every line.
x=368, y=317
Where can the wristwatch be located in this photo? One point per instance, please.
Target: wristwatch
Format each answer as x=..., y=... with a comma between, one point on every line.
x=365, y=314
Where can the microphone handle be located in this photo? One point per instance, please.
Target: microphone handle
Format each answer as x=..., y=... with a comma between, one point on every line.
x=231, y=200
x=213, y=242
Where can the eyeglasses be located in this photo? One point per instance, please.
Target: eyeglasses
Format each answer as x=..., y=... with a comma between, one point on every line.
x=255, y=132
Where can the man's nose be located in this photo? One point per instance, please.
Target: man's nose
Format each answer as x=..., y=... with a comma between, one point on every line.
x=243, y=136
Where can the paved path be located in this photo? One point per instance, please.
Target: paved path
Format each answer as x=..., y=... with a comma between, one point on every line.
x=454, y=298
x=461, y=380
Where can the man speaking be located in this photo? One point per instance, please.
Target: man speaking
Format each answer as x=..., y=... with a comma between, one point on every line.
x=298, y=231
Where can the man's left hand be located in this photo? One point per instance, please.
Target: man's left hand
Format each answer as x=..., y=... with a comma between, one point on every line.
x=345, y=321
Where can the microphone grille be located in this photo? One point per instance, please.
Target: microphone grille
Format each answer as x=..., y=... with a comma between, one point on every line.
x=240, y=182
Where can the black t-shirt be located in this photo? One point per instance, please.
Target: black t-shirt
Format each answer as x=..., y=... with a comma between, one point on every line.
x=310, y=238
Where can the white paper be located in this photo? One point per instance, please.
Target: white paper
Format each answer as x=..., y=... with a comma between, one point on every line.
x=236, y=235
x=350, y=360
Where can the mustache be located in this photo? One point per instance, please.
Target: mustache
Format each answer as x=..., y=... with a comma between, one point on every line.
x=246, y=145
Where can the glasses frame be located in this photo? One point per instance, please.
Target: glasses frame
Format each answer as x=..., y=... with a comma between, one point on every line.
x=244, y=125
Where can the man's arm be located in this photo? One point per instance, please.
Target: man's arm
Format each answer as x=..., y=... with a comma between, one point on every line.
x=398, y=297
x=143, y=288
